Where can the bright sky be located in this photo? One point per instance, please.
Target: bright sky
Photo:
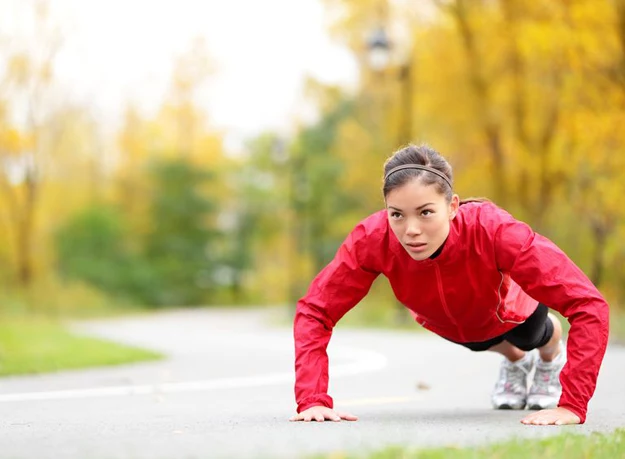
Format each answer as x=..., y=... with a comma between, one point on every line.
x=124, y=49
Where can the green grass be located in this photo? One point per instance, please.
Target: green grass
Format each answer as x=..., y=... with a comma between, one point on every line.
x=30, y=345
x=563, y=446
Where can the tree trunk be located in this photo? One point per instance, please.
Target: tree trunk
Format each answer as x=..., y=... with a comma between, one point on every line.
x=538, y=146
x=620, y=13
x=25, y=231
x=490, y=127
x=600, y=232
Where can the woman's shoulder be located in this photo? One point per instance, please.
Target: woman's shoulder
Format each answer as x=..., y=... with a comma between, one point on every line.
x=483, y=214
x=368, y=241
x=375, y=224
x=477, y=204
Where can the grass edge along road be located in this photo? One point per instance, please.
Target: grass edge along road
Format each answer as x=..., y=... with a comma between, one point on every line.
x=29, y=346
x=561, y=446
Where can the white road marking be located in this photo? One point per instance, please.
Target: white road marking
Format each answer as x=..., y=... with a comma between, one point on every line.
x=362, y=361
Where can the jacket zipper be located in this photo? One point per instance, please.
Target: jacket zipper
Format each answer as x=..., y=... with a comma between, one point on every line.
x=441, y=293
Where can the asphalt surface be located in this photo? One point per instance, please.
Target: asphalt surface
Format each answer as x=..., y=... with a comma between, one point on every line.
x=226, y=391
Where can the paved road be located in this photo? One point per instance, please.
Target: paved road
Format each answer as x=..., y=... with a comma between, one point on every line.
x=226, y=391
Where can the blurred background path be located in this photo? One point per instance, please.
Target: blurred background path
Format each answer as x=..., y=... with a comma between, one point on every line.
x=225, y=390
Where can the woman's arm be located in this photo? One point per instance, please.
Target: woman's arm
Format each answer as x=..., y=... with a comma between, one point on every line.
x=547, y=274
x=335, y=290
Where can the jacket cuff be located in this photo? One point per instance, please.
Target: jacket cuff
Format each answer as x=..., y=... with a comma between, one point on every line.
x=315, y=400
x=575, y=411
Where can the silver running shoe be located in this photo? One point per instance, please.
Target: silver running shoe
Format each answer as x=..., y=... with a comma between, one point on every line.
x=510, y=392
x=545, y=390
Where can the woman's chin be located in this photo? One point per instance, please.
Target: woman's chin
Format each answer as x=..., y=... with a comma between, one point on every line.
x=419, y=256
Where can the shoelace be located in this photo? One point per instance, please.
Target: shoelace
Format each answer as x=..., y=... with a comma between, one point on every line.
x=546, y=377
x=513, y=375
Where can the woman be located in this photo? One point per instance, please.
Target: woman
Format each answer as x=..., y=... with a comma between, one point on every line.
x=471, y=273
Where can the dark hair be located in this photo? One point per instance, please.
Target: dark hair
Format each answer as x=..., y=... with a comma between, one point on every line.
x=424, y=156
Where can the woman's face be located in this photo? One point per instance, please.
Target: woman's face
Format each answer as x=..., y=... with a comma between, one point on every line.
x=419, y=216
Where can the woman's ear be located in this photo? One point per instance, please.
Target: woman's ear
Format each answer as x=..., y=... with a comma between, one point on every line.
x=453, y=206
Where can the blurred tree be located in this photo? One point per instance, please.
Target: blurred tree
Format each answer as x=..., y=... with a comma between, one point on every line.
x=27, y=97
x=317, y=194
x=189, y=76
x=526, y=66
x=182, y=244
x=180, y=129
x=174, y=164
x=259, y=246
x=92, y=247
x=175, y=263
x=467, y=15
x=595, y=116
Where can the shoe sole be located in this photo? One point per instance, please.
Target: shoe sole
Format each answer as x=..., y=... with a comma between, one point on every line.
x=539, y=407
x=505, y=406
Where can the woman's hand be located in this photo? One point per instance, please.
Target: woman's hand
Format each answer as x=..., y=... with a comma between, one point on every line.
x=321, y=413
x=556, y=416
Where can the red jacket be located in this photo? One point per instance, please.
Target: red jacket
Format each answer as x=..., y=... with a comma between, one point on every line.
x=492, y=272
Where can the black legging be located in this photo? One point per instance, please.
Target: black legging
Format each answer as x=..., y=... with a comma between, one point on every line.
x=535, y=332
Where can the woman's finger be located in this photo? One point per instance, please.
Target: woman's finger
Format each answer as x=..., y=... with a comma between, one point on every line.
x=543, y=420
x=322, y=414
x=554, y=416
x=347, y=416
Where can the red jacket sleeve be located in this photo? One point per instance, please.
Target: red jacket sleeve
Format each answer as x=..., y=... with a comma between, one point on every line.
x=335, y=290
x=547, y=274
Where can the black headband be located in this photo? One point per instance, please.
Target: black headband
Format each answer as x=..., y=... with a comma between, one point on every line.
x=421, y=167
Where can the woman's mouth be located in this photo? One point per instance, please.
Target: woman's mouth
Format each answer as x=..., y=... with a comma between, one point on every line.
x=416, y=247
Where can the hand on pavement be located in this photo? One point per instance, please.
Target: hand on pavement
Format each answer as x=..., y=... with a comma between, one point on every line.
x=321, y=413
x=556, y=416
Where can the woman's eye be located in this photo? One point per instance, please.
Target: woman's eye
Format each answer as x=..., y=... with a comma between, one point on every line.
x=395, y=215
x=426, y=212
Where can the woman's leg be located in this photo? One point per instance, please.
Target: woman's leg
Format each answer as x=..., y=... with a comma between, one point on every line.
x=547, y=352
x=541, y=331
x=509, y=351
x=550, y=351
x=510, y=391
x=545, y=390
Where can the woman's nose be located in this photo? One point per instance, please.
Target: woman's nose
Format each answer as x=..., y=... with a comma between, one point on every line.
x=413, y=228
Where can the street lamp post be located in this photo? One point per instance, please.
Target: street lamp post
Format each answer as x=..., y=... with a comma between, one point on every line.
x=405, y=80
x=379, y=49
